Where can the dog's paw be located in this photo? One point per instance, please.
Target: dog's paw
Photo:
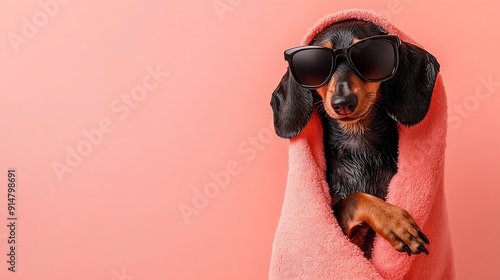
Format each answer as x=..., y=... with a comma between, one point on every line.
x=398, y=227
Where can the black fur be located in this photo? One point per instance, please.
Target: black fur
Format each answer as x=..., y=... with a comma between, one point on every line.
x=408, y=94
x=292, y=107
x=363, y=162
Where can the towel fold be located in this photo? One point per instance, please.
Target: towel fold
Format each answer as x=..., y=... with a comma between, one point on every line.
x=309, y=243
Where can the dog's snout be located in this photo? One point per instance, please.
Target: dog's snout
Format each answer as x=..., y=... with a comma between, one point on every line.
x=344, y=105
x=342, y=89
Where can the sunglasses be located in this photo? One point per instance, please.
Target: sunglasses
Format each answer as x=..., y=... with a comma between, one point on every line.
x=374, y=59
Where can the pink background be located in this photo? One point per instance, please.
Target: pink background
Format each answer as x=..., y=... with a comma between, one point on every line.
x=116, y=212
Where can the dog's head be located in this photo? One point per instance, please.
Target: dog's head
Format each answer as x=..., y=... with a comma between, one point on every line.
x=346, y=96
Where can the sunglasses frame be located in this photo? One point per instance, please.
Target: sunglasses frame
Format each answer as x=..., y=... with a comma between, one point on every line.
x=393, y=39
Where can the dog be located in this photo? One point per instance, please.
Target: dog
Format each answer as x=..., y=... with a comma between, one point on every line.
x=361, y=102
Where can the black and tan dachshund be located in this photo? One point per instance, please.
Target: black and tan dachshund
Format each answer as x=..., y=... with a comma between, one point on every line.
x=360, y=109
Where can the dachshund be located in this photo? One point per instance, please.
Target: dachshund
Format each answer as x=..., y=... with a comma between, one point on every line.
x=362, y=89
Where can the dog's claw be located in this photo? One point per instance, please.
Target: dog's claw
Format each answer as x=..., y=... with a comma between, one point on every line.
x=423, y=237
x=422, y=248
x=407, y=249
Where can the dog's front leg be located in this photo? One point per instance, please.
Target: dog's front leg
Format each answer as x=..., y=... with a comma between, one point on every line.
x=359, y=211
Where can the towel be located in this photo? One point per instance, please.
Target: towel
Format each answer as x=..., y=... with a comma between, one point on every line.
x=309, y=243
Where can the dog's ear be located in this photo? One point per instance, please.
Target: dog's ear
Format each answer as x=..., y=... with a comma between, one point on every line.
x=407, y=96
x=292, y=107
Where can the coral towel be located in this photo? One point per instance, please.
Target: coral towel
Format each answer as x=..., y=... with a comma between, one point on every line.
x=309, y=243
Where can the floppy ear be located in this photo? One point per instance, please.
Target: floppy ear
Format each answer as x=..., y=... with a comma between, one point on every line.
x=292, y=107
x=407, y=96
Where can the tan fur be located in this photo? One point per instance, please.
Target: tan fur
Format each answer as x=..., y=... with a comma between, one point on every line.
x=327, y=45
x=367, y=94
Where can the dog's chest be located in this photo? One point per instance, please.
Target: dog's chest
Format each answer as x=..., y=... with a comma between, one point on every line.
x=360, y=163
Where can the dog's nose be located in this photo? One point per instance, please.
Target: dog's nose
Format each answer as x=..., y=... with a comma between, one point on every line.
x=344, y=105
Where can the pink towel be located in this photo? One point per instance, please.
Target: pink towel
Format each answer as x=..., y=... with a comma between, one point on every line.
x=309, y=243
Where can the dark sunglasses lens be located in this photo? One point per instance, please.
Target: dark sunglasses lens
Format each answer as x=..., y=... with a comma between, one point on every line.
x=374, y=59
x=312, y=66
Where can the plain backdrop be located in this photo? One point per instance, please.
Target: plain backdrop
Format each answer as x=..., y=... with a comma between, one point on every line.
x=141, y=133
